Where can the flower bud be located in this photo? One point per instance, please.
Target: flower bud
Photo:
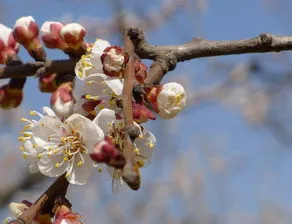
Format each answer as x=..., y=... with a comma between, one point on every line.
x=8, y=45
x=25, y=32
x=140, y=71
x=10, y=97
x=51, y=35
x=63, y=213
x=17, y=208
x=62, y=100
x=106, y=152
x=131, y=175
x=168, y=99
x=141, y=113
x=73, y=34
x=114, y=60
x=47, y=83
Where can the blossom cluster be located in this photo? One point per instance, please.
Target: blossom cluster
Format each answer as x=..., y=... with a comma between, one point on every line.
x=80, y=134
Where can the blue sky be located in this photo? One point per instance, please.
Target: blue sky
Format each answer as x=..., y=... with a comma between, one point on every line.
x=264, y=173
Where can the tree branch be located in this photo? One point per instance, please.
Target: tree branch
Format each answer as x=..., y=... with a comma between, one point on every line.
x=29, y=69
x=166, y=57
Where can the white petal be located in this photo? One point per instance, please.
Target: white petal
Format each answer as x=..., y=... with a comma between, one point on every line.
x=29, y=150
x=48, y=111
x=80, y=174
x=146, y=144
x=99, y=46
x=47, y=165
x=5, y=33
x=33, y=167
x=16, y=208
x=45, y=127
x=115, y=85
x=105, y=119
x=95, y=85
x=24, y=21
x=88, y=130
x=73, y=28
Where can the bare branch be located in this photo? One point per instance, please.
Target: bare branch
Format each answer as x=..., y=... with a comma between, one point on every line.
x=29, y=69
x=166, y=57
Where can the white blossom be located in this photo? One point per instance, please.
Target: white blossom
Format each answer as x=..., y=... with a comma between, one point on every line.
x=171, y=100
x=62, y=147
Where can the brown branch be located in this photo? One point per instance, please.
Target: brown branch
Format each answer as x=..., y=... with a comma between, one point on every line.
x=29, y=69
x=127, y=95
x=166, y=57
x=45, y=202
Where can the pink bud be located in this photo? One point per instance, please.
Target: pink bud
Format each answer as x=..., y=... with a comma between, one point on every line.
x=141, y=113
x=10, y=97
x=64, y=214
x=90, y=105
x=114, y=60
x=140, y=71
x=106, y=152
x=8, y=45
x=62, y=100
x=25, y=30
x=47, y=83
x=51, y=35
x=73, y=34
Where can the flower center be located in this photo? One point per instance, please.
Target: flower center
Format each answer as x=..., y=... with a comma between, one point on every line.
x=69, y=145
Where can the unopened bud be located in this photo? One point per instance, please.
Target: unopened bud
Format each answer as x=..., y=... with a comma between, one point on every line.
x=10, y=97
x=47, y=83
x=73, y=34
x=62, y=100
x=140, y=71
x=168, y=99
x=8, y=46
x=106, y=152
x=17, y=208
x=131, y=175
x=51, y=35
x=141, y=113
x=25, y=30
x=114, y=60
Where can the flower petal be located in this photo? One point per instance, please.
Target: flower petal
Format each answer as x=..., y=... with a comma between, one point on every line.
x=47, y=165
x=146, y=144
x=48, y=111
x=80, y=174
x=88, y=130
x=104, y=119
x=44, y=128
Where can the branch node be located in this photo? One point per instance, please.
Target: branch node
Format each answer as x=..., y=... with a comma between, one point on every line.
x=266, y=38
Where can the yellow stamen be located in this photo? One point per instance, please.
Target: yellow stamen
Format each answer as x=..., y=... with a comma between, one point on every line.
x=32, y=113
x=21, y=139
x=80, y=163
x=57, y=165
x=140, y=163
x=23, y=119
x=150, y=145
x=21, y=148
